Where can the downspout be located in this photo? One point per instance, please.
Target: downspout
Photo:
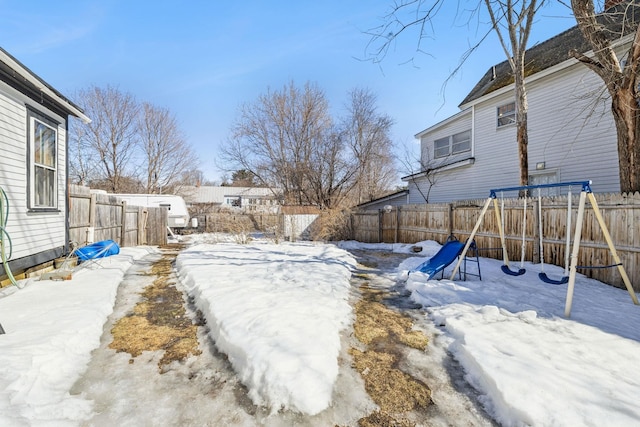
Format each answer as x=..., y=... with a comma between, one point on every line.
x=67, y=192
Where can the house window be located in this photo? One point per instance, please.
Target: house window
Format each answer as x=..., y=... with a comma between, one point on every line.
x=454, y=144
x=43, y=171
x=441, y=147
x=507, y=114
x=461, y=142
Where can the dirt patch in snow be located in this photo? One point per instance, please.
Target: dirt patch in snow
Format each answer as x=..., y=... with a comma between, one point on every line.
x=385, y=333
x=159, y=321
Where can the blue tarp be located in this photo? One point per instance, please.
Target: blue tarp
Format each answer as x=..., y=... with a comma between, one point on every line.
x=95, y=250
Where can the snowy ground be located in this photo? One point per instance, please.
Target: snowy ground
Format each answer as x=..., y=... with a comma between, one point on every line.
x=277, y=311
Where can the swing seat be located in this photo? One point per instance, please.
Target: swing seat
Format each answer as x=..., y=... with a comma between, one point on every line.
x=543, y=276
x=507, y=270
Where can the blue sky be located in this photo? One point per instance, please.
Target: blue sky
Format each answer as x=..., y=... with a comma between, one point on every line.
x=203, y=59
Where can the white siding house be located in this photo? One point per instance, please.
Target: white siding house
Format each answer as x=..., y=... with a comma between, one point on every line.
x=249, y=199
x=572, y=136
x=33, y=166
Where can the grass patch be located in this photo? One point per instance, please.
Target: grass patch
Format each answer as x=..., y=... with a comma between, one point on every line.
x=385, y=334
x=159, y=321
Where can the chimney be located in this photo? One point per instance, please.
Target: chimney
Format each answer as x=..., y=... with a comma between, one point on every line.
x=610, y=3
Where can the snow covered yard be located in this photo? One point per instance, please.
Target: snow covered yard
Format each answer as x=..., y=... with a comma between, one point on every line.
x=279, y=312
x=282, y=334
x=532, y=365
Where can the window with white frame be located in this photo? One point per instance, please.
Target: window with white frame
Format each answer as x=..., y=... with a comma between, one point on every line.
x=506, y=114
x=43, y=159
x=453, y=144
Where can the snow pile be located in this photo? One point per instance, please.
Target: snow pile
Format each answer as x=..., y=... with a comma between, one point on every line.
x=532, y=365
x=276, y=311
x=51, y=328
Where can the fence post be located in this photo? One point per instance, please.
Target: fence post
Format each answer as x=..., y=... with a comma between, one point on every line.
x=380, y=213
x=352, y=226
x=395, y=239
x=450, y=219
x=123, y=222
x=140, y=236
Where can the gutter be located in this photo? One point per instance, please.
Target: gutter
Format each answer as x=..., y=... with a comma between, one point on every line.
x=29, y=76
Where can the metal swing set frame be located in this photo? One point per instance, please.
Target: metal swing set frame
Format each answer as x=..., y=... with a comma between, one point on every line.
x=585, y=193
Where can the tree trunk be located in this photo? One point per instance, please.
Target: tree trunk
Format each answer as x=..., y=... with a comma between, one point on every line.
x=521, y=123
x=627, y=120
x=621, y=85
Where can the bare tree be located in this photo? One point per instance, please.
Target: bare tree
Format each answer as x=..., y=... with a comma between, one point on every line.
x=83, y=164
x=426, y=170
x=275, y=137
x=287, y=139
x=619, y=73
x=366, y=132
x=515, y=18
x=510, y=19
x=129, y=147
x=112, y=133
x=166, y=153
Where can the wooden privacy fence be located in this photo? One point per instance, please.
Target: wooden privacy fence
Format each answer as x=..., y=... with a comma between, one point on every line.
x=97, y=216
x=621, y=213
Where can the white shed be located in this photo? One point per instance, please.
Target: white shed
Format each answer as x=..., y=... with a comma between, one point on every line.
x=298, y=221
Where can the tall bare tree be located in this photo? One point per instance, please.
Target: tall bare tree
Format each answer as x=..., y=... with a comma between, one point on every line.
x=367, y=133
x=112, y=133
x=129, y=147
x=619, y=71
x=166, y=153
x=287, y=139
x=83, y=164
x=515, y=18
x=511, y=20
x=273, y=138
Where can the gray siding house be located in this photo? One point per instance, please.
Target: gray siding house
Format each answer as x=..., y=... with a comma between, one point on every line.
x=33, y=166
x=572, y=136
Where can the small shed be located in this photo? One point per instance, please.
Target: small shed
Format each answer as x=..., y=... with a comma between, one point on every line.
x=298, y=221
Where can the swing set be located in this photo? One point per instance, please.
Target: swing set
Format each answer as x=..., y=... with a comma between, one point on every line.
x=571, y=266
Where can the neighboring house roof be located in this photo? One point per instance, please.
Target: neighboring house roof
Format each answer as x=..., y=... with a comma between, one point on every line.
x=556, y=50
x=217, y=194
x=396, y=195
x=15, y=74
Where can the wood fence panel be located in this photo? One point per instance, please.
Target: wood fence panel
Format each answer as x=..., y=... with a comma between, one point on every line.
x=424, y=222
x=79, y=221
x=366, y=227
x=157, y=226
x=621, y=213
x=111, y=219
x=131, y=226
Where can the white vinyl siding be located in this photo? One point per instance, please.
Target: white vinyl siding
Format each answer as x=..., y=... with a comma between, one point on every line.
x=31, y=232
x=570, y=130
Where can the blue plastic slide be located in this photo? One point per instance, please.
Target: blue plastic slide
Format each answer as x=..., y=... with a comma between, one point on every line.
x=445, y=256
x=95, y=250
